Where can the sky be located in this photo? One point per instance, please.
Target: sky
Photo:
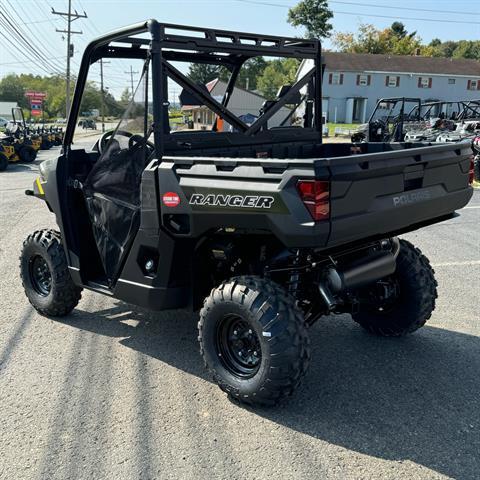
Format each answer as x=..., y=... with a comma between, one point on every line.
x=437, y=19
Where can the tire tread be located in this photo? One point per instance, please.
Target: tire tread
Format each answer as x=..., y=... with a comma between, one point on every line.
x=290, y=347
x=67, y=294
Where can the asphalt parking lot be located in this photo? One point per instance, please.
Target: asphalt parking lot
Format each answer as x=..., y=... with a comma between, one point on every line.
x=113, y=391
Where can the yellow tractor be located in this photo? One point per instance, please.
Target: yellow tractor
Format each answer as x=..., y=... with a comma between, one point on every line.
x=5, y=152
x=17, y=138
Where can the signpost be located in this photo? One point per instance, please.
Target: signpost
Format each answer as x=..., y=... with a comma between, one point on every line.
x=36, y=102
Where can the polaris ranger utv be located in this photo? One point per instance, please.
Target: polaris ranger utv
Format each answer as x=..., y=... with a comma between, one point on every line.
x=260, y=226
x=390, y=120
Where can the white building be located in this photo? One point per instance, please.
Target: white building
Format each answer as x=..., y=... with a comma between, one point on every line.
x=242, y=103
x=6, y=109
x=353, y=83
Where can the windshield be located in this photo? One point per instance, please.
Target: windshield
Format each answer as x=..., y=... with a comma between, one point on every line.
x=133, y=126
x=114, y=99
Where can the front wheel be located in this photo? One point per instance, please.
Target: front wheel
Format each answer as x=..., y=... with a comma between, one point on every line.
x=402, y=303
x=253, y=340
x=45, y=275
x=3, y=162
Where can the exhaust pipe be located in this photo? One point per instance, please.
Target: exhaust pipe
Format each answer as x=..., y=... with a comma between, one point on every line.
x=358, y=274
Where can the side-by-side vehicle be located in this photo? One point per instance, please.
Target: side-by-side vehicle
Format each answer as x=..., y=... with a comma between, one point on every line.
x=261, y=226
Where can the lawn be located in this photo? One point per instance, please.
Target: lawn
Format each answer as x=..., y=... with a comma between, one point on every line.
x=332, y=126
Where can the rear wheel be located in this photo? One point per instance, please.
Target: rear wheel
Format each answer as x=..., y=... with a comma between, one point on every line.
x=476, y=168
x=45, y=275
x=3, y=162
x=402, y=303
x=27, y=154
x=253, y=340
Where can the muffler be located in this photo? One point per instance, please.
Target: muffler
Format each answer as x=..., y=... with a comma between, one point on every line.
x=359, y=273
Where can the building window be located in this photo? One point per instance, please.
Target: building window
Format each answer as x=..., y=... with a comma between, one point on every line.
x=335, y=79
x=363, y=80
x=385, y=105
x=424, y=82
x=392, y=81
x=473, y=85
x=451, y=81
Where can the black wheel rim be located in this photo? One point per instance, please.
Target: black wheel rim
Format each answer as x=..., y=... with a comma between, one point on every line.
x=385, y=295
x=40, y=276
x=238, y=346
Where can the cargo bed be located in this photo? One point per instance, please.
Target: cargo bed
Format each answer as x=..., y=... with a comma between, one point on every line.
x=375, y=190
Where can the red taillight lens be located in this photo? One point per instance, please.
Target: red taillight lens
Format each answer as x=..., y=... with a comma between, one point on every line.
x=315, y=195
x=471, y=171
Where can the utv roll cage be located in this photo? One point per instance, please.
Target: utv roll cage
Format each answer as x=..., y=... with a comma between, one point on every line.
x=471, y=110
x=169, y=43
x=399, y=118
x=463, y=109
x=394, y=100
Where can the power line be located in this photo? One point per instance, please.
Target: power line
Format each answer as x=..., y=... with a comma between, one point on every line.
x=70, y=17
x=12, y=27
x=409, y=18
x=410, y=9
x=270, y=4
x=45, y=41
x=97, y=31
x=22, y=52
x=29, y=61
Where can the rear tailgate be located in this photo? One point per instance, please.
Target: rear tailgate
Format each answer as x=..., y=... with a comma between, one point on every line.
x=380, y=193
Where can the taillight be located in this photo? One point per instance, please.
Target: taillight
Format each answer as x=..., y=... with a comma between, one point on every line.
x=315, y=195
x=471, y=171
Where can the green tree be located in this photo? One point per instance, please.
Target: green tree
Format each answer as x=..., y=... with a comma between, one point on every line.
x=11, y=90
x=276, y=74
x=451, y=49
x=467, y=49
x=398, y=29
x=203, y=73
x=125, y=97
x=394, y=40
x=314, y=16
x=249, y=74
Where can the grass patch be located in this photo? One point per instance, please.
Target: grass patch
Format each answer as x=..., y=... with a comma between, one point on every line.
x=332, y=126
x=176, y=120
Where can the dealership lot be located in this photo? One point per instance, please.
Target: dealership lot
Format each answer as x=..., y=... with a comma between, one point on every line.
x=113, y=391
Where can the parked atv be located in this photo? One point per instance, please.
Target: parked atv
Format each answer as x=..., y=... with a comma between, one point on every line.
x=390, y=121
x=263, y=229
x=446, y=122
x=17, y=137
x=476, y=160
x=17, y=146
x=4, y=155
x=45, y=137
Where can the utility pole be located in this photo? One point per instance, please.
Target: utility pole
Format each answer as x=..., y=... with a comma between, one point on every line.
x=102, y=90
x=70, y=17
x=131, y=73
